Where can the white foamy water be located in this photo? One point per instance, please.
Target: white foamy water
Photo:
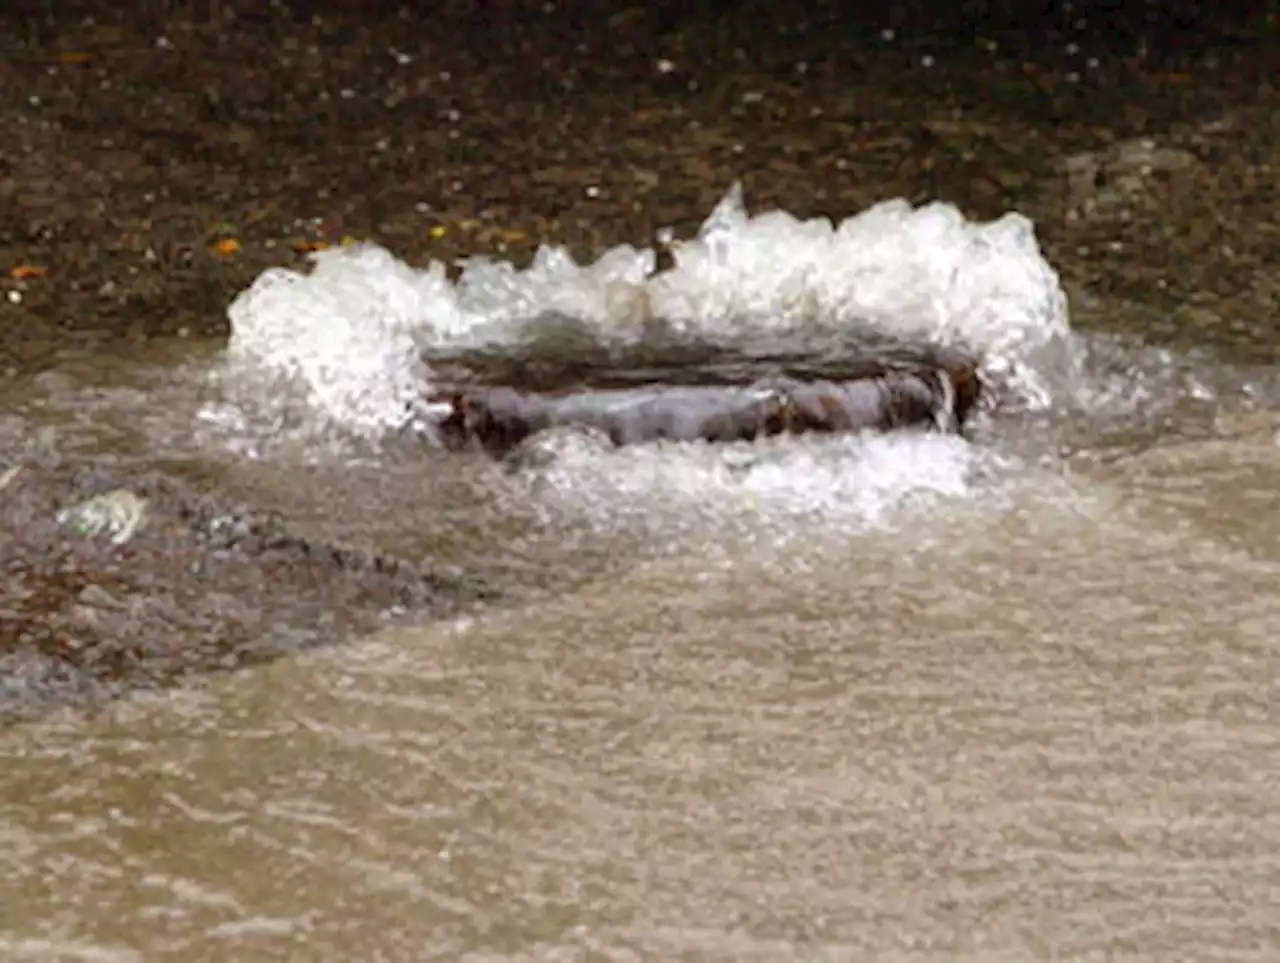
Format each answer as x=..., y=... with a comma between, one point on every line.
x=348, y=345
x=772, y=489
x=349, y=338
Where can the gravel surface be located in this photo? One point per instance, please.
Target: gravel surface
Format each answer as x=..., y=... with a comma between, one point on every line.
x=154, y=166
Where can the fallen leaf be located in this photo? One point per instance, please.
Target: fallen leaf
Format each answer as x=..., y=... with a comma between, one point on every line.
x=71, y=57
x=437, y=231
x=310, y=247
x=25, y=272
x=228, y=247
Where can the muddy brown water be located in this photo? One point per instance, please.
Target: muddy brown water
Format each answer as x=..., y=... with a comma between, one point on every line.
x=1033, y=719
x=1032, y=716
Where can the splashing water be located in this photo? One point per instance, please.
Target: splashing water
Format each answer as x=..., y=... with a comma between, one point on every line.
x=350, y=338
x=854, y=482
x=349, y=346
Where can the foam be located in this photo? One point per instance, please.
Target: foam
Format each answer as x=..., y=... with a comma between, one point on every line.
x=772, y=490
x=349, y=337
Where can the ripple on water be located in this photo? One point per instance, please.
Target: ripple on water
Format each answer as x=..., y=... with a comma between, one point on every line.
x=1048, y=733
x=897, y=698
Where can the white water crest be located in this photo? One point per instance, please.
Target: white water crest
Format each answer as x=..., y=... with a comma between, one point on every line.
x=776, y=490
x=354, y=336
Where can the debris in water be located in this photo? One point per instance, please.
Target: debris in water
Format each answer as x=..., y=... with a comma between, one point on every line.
x=117, y=514
x=880, y=396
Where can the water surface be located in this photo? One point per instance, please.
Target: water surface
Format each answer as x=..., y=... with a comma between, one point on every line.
x=903, y=698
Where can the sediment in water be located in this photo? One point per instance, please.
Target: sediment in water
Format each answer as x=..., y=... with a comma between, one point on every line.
x=199, y=586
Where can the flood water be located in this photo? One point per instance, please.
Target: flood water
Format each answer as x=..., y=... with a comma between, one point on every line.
x=897, y=699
